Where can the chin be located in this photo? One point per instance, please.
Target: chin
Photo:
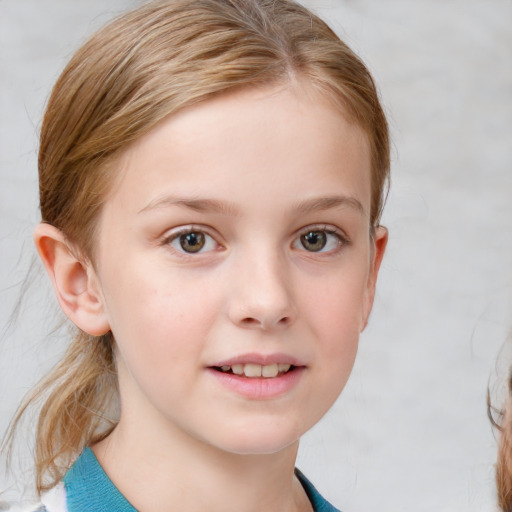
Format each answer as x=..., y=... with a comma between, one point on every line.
x=260, y=441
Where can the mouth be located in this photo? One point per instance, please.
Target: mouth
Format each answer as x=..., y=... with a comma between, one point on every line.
x=259, y=376
x=255, y=371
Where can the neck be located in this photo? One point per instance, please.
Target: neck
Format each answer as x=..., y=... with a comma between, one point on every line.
x=176, y=472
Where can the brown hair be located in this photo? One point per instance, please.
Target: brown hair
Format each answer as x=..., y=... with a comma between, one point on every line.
x=140, y=68
x=503, y=422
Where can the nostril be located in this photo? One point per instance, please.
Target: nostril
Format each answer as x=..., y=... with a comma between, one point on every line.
x=250, y=321
x=284, y=321
x=254, y=322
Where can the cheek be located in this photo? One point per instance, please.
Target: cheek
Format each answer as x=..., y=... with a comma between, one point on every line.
x=158, y=318
x=161, y=345
x=336, y=308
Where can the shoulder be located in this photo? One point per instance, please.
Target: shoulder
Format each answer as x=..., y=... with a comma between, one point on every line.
x=52, y=501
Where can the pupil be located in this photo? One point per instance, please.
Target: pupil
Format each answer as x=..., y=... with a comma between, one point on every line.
x=314, y=240
x=192, y=242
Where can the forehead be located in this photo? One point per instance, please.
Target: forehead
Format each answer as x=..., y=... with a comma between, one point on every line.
x=264, y=139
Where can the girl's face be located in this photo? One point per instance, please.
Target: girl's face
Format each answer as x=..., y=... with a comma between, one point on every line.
x=236, y=269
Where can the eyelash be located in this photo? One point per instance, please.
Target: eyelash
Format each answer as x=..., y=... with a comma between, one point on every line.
x=341, y=239
x=189, y=230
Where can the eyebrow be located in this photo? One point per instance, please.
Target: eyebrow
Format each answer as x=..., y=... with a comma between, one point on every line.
x=227, y=208
x=328, y=203
x=198, y=205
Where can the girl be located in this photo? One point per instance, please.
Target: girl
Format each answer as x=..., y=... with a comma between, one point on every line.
x=212, y=175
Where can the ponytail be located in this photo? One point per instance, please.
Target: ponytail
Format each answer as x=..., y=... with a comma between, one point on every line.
x=77, y=395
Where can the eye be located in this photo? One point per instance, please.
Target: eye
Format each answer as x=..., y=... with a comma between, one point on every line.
x=191, y=242
x=319, y=240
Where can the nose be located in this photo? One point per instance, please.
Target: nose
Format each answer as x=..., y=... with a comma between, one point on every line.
x=262, y=294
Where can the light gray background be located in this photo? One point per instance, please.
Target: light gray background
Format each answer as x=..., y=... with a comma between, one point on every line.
x=410, y=431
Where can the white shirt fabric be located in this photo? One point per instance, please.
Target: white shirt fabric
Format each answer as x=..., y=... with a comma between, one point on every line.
x=52, y=501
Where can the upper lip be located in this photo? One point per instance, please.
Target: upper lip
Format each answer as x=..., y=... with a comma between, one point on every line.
x=261, y=359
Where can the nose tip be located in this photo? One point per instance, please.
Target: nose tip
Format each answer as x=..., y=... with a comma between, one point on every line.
x=265, y=321
x=262, y=298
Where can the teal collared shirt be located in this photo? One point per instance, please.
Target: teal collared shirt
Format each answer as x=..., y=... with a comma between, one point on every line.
x=89, y=489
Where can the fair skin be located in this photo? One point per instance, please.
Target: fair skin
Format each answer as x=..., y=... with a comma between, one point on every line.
x=236, y=241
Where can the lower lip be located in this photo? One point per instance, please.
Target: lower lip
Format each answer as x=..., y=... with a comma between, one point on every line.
x=260, y=388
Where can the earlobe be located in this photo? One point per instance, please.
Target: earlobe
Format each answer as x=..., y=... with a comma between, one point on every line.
x=380, y=240
x=74, y=280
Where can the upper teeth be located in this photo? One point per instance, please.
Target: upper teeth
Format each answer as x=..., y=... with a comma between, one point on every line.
x=257, y=370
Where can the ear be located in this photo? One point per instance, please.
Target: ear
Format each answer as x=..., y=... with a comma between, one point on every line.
x=380, y=241
x=74, y=280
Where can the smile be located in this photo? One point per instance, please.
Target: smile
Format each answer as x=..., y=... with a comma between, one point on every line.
x=251, y=370
x=258, y=381
x=257, y=376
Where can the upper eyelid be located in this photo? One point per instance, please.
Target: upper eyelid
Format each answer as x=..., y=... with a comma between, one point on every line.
x=171, y=234
x=342, y=240
x=328, y=228
x=174, y=234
